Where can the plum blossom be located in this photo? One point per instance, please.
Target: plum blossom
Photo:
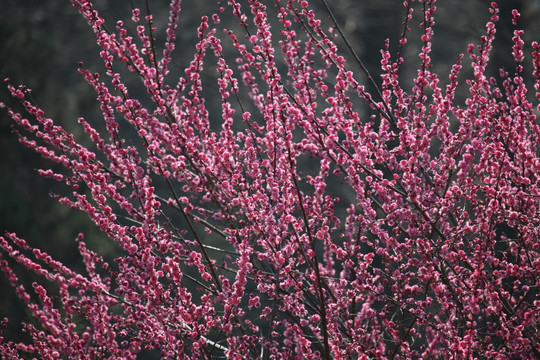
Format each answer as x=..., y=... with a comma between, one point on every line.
x=233, y=243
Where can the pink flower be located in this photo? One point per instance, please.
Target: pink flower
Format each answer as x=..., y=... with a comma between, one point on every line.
x=269, y=203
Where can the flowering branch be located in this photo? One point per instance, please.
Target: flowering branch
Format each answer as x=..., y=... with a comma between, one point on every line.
x=262, y=211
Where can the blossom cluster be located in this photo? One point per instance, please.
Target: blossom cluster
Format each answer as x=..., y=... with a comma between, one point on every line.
x=309, y=214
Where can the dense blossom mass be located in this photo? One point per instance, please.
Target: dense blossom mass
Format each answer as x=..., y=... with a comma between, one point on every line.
x=322, y=212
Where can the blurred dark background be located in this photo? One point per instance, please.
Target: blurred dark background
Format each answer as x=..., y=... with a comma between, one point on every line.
x=42, y=42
